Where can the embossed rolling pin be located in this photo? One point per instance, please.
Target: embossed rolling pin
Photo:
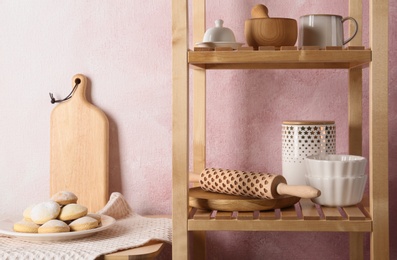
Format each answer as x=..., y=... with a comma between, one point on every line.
x=252, y=184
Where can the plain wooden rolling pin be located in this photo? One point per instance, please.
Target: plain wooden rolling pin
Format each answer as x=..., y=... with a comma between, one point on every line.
x=252, y=184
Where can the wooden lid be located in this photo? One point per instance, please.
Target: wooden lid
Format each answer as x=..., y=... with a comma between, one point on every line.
x=308, y=122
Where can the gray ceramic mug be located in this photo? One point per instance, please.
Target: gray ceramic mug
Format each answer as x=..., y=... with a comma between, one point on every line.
x=323, y=30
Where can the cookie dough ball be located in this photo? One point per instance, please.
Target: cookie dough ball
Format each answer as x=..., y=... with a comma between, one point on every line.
x=45, y=211
x=54, y=226
x=26, y=226
x=83, y=223
x=96, y=216
x=64, y=197
x=72, y=211
x=26, y=212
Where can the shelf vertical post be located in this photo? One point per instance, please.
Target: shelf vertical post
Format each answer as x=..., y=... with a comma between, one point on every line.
x=378, y=129
x=199, y=93
x=180, y=129
x=355, y=112
x=355, y=86
x=199, y=117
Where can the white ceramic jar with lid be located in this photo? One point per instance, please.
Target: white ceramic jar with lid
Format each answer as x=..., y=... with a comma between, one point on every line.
x=219, y=36
x=301, y=139
x=219, y=33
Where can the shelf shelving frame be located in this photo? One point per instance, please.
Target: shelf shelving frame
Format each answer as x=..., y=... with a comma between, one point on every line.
x=370, y=216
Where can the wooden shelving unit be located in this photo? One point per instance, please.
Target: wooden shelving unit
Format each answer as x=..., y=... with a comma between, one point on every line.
x=370, y=216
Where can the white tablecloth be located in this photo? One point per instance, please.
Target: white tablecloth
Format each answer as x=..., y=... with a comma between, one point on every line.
x=130, y=230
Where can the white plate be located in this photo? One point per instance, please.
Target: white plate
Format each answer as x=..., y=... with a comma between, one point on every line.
x=234, y=45
x=6, y=228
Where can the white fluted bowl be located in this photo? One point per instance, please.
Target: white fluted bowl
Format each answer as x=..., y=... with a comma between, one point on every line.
x=338, y=191
x=335, y=165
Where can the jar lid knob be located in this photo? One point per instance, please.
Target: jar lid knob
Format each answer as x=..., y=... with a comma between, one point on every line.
x=219, y=23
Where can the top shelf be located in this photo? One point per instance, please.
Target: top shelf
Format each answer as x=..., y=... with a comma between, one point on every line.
x=288, y=58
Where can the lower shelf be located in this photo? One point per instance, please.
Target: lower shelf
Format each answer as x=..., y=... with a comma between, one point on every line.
x=303, y=216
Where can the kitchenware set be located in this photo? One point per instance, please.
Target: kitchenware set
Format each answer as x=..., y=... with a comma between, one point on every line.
x=315, y=30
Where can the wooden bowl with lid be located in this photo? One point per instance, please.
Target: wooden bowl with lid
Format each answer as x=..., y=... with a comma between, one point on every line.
x=261, y=30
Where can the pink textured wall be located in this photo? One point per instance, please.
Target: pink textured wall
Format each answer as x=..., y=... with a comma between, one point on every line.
x=124, y=47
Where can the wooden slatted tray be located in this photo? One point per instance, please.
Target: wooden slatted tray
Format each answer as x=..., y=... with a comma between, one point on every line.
x=303, y=216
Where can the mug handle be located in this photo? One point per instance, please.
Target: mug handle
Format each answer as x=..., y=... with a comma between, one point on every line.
x=355, y=30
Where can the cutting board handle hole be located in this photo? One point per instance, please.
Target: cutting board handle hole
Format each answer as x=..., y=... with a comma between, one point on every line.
x=77, y=81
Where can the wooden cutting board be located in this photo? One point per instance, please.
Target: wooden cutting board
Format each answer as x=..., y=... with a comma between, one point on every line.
x=79, y=149
x=198, y=198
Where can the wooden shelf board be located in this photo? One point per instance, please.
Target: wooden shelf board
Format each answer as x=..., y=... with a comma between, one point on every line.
x=280, y=59
x=281, y=225
x=303, y=216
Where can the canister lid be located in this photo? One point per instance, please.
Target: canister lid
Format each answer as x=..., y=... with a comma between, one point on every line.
x=296, y=122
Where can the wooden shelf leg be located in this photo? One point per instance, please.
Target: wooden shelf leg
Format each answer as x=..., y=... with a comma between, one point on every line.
x=199, y=149
x=355, y=111
x=355, y=119
x=199, y=119
x=356, y=245
x=378, y=131
x=180, y=130
x=198, y=249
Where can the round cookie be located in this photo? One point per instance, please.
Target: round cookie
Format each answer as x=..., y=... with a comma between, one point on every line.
x=45, y=211
x=72, y=211
x=96, y=216
x=64, y=197
x=83, y=223
x=25, y=226
x=26, y=212
x=54, y=226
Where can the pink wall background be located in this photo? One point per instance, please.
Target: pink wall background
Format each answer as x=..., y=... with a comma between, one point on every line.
x=124, y=47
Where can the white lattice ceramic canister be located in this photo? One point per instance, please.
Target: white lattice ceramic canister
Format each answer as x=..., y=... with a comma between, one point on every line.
x=301, y=139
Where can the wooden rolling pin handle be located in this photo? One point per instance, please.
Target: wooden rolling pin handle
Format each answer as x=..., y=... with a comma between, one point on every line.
x=194, y=177
x=306, y=192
